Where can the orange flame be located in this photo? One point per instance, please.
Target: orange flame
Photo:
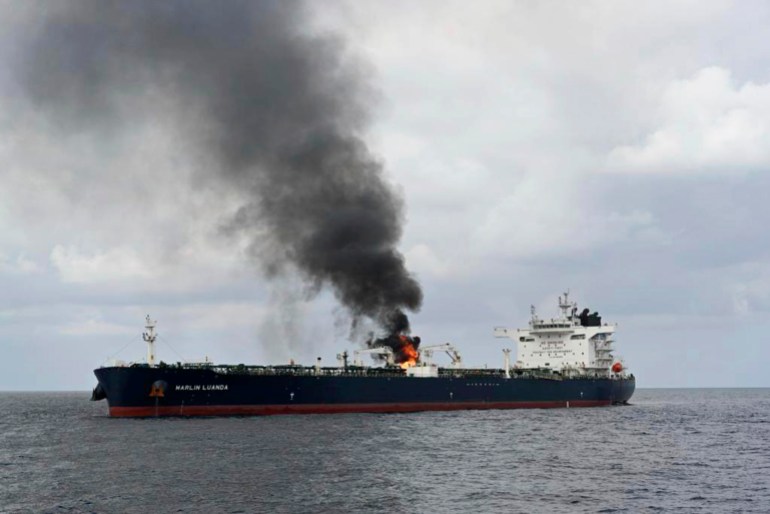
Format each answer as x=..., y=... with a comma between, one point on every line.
x=408, y=353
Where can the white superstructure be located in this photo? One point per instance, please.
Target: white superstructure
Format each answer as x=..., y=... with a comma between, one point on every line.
x=571, y=343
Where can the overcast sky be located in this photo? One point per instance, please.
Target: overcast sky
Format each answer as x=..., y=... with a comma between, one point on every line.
x=616, y=149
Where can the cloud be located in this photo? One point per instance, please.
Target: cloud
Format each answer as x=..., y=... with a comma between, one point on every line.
x=707, y=123
x=614, y=149
x=549, y=216
x=424, y=261
x=21, y=265
x=114, y=265
x=197, y=266
x=750, y=291
x=94, y=327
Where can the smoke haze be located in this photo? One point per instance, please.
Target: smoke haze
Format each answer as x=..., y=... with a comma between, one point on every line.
x=279, y=114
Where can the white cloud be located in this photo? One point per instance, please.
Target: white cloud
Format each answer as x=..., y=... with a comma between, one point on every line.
x=750, y=289
x=93, y=327
x=424, y=261
x=550, y=215
x=119, y=264
x=195, y=265
x=707, y=122
x=21, y=265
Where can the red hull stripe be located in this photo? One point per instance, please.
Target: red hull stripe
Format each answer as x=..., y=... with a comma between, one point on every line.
x=250, y=410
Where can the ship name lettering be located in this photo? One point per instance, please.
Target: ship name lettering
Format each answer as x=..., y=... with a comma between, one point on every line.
x=199, y=387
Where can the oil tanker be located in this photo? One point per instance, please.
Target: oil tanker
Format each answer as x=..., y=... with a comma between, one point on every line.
x=566, y=361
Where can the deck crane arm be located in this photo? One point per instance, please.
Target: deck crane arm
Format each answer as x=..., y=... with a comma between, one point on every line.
x=379, y=350
x=448, y=348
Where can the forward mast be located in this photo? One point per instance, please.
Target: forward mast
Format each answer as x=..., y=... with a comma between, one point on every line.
x=149, y=337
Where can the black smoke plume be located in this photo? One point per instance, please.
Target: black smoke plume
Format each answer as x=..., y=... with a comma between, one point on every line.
x=404, y=347
x=281, y=112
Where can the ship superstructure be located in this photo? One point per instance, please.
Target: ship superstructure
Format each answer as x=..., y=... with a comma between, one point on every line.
x=562, y=362
x=572, y=344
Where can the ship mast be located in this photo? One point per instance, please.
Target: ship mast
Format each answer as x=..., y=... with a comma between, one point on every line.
x=565, y=305
x=149, y=337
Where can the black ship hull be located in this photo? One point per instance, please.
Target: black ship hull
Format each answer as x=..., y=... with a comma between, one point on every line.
x=143, y=391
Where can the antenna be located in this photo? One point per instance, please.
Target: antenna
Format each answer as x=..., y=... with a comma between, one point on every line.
x=564, y=304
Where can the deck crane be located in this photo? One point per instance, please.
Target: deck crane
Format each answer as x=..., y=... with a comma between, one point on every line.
x=379, y=350
x=448, y=348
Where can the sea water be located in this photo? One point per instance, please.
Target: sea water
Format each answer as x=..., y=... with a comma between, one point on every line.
x=696, y=450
